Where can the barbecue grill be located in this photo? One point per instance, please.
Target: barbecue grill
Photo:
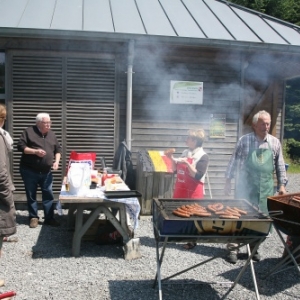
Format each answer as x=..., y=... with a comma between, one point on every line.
x=285, y=212
x=251, y=228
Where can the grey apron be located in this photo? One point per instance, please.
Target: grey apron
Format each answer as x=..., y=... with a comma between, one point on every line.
x=256, y=180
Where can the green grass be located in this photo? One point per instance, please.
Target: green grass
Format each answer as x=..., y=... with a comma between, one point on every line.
x=294, y=167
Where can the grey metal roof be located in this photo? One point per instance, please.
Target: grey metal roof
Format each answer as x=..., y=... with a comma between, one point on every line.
x=194, y=19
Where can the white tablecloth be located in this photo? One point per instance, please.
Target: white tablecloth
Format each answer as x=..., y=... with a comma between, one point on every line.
x=132, y=204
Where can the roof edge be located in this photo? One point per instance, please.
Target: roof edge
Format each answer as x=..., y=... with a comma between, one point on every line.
x=7, y=32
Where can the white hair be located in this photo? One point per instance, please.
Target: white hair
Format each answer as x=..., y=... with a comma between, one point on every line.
x=41, y=116
x=260, y=114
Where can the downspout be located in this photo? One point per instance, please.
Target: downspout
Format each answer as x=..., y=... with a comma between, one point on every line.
x=283, y=112
x=129, y=94
x=244, y=66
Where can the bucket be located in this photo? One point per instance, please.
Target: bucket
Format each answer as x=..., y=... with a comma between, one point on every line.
x=79, y=178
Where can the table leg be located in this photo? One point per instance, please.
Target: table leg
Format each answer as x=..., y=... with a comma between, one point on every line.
x=80, y=228
x=71, y=216
x=77, y=237
x=131, y=246
x=121, y=226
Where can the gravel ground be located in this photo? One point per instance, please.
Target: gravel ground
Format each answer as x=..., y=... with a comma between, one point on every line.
x=39, y=266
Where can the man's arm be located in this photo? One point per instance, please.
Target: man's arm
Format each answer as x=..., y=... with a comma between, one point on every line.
x=56, y=162
x=280, y=170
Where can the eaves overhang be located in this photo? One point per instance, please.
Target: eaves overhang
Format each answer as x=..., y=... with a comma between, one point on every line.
x=144, y=39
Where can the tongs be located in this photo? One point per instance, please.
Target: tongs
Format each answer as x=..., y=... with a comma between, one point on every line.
x=274, y=213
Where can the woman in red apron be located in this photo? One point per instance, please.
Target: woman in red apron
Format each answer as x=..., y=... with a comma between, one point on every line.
x=191, y=169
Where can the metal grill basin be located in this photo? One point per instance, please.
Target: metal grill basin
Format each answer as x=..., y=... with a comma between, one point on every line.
x=289, y=221
x=254, y=223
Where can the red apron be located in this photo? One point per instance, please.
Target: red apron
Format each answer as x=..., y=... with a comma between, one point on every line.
x=186, y=186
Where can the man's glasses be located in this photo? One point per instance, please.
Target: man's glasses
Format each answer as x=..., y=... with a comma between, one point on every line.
x=46, y=123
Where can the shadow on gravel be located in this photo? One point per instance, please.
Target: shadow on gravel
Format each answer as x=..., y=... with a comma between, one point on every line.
x=22, y=220
x=202, y=249
x=55, y=242
x=273, y=284
x=171, y=290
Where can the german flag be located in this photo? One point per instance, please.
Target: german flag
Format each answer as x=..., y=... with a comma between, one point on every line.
x=160, y=161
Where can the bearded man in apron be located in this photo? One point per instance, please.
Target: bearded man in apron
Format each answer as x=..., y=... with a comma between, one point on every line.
x=257, y=156
x=191, y=169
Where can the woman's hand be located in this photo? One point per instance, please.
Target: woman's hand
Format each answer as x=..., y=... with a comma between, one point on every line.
x=169, y=152
x=183, y=160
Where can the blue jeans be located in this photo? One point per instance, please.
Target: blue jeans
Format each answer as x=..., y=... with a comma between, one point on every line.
x=32, y=180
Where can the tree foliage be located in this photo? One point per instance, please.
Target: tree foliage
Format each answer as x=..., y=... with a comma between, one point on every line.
x=292, y=110
x=287, y=10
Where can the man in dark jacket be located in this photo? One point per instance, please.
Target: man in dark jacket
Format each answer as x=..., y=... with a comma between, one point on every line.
x=41, y=151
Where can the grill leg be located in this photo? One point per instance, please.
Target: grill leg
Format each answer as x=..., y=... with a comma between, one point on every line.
x=249, y=260
x=252, y=268
x=158, y=265
x=284, y=261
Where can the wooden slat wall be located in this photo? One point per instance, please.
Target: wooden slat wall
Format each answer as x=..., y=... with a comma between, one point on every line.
x=77, y=90
x=157, y=124
x=36, y=87
x=90, y=107
x=162, y=135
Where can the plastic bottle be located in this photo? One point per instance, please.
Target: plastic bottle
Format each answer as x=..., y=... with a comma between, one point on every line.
x=66, y=183
x=104, y=175
x=99, y=178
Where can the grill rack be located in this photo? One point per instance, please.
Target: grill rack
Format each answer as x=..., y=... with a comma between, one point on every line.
x=166, y=207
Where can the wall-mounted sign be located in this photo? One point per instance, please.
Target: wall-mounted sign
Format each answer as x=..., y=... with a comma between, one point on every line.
x=217, y=126
x=186, y=92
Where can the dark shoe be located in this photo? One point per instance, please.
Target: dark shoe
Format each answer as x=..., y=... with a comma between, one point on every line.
x=52, y=222
x=256, y=256
x=34, y=222
x=232, y=257
x=189, y=246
